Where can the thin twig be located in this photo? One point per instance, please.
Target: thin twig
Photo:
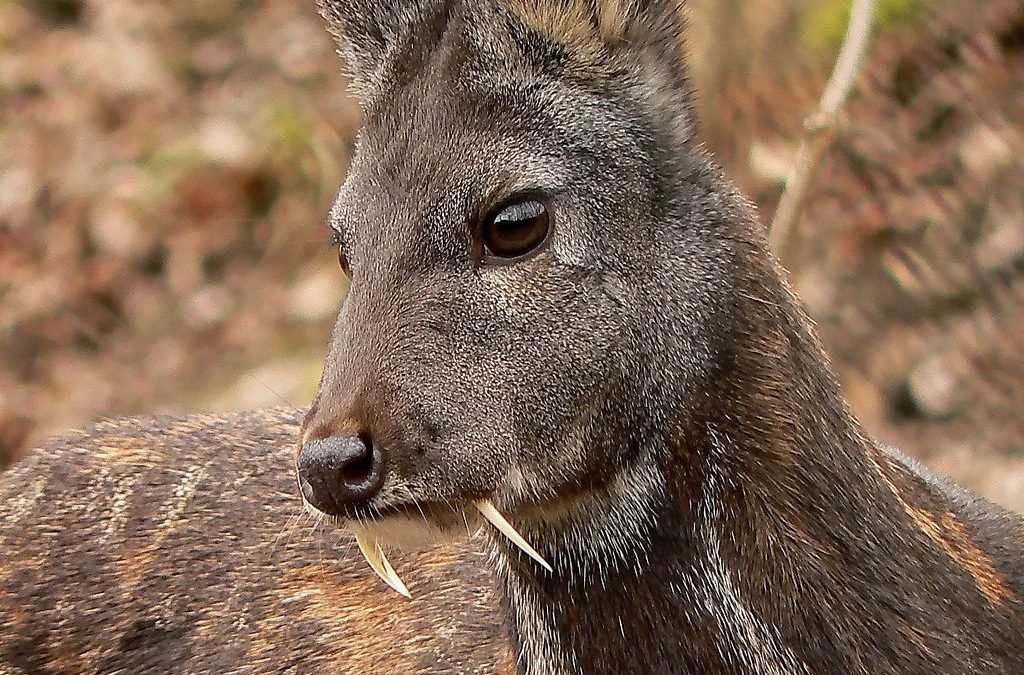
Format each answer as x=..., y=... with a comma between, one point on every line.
x=820, y=128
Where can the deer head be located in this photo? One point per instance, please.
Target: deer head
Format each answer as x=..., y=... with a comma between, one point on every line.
x=542, y=262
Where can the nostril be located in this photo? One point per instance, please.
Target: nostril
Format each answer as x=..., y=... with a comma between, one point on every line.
x=360, y=466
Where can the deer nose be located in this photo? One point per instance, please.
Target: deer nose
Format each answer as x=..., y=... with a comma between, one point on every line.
x=339, y=471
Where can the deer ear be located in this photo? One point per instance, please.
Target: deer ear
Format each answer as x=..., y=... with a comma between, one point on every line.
x=368, y=32
x=589, y=26
x=659, y=26
x=644, y=37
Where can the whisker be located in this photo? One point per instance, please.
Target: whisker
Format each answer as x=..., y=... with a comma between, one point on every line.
x=289, y=529
x=465, y=520
x=420, y=509
x=285, y=402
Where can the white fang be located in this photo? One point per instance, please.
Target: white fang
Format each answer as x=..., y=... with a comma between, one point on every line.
x=491, y=514
x=374, y=555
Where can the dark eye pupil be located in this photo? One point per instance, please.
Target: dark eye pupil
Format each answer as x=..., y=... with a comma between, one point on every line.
x=517, y=229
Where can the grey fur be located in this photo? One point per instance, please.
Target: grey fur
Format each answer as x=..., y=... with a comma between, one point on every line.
x=647, y=383
x=644, y=398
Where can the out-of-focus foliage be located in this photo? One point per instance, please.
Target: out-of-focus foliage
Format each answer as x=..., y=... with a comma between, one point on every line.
x=923, y=244
x=824, y=22
x=165, y=169
x=912, y=255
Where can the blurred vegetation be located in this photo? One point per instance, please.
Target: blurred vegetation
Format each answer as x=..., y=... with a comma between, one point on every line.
x=823, y=24
x=165, y=169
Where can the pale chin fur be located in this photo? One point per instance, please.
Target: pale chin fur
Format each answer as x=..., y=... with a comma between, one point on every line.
x=398, y=531
x=592, y=533
x=598, y=531
x=412, y=533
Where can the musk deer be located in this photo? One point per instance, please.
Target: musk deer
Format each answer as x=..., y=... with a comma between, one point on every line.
x=563, y=321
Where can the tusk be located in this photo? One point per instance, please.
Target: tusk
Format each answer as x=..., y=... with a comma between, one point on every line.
x=374, y=555
x=487, y=510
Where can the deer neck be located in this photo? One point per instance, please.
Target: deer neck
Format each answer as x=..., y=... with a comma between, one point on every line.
x=673, y=565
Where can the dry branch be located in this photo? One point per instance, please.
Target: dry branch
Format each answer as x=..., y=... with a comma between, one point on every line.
x=820, y=128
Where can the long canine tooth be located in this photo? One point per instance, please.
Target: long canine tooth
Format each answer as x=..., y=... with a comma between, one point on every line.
x=374, y=555
x=494, y=517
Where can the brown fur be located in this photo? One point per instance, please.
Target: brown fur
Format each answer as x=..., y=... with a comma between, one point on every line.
x=656, y=415
x=947, y=531
x=591, y=29
x=579, y=23
x=213, y=566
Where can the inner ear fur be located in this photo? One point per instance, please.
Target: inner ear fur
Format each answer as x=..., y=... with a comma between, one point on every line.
x=643, y=38
x=592, y=26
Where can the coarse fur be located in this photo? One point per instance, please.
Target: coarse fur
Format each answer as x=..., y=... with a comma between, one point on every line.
x=179, y=545
x=645, y=399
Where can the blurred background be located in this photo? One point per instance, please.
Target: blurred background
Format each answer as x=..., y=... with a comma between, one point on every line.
x=165, y=169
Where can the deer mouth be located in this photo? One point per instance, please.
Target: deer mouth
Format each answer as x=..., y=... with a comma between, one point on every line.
x=407, y=526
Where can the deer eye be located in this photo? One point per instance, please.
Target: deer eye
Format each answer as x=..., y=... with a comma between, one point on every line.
x=516, y=230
